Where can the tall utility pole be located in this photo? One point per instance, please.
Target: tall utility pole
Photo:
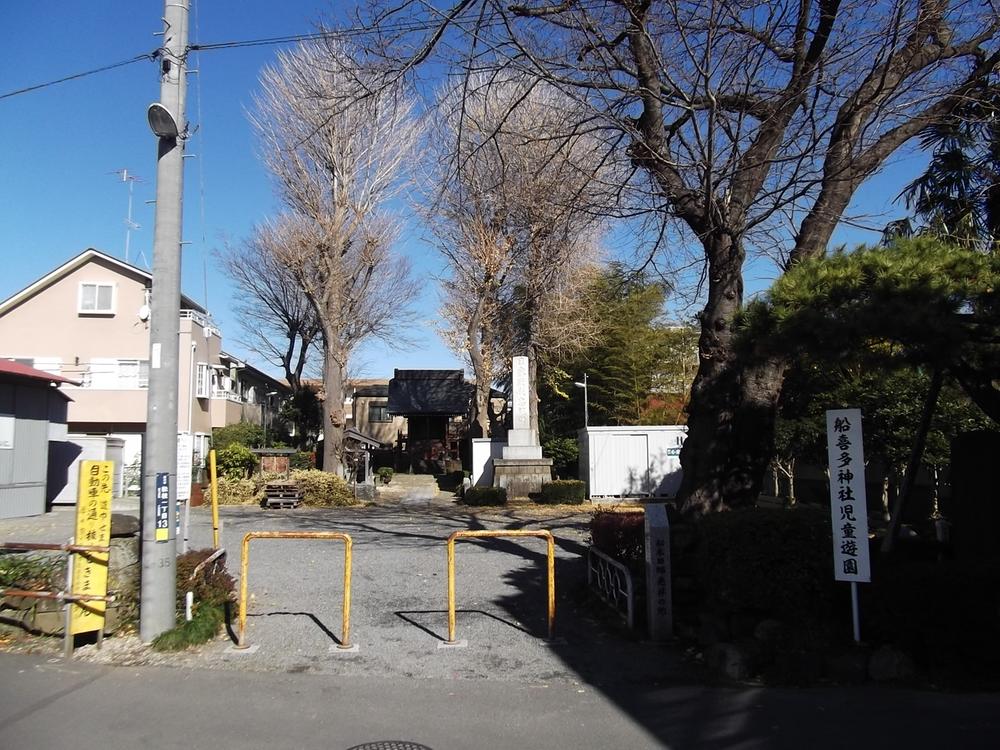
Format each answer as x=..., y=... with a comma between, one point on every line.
x=159, y=471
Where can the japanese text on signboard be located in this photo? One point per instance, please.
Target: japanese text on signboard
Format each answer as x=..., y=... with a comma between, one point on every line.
x=848, y=501
x=162, y=507
x=93, y=528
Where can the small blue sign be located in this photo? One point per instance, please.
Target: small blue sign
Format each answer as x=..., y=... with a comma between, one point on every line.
x=163, y=507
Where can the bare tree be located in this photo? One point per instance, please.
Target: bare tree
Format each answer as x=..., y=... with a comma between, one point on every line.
x=277, y=319
x=514, y=220
x=336, y=152
x=750, y=124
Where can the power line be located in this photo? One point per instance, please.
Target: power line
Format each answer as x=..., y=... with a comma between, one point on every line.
x=402, y=27
x=123, y=63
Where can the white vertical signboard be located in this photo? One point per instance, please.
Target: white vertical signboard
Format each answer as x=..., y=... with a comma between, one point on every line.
x=848, y=501
x=185, y=455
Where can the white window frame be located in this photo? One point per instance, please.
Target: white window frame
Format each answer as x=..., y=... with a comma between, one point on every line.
x=97, y=287
x=203, y=381
x=134, y=379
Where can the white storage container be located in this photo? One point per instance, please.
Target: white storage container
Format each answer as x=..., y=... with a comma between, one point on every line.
x=631, y=461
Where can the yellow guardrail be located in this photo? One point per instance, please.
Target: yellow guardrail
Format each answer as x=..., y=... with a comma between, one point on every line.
x=345, y=641
x=547, y=535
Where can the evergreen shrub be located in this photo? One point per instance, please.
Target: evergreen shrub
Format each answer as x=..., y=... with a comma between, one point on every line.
x=620, y=535
x=569, y=491
x=244, y=433
x=302, y=460
x=485, y=496
x=772, y=562
x=235, y=461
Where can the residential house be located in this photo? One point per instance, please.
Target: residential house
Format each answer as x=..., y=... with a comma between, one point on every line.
x=88, y=321
x=367, y=405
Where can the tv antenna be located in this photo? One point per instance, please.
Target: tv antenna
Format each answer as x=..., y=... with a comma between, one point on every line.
x=131, y=179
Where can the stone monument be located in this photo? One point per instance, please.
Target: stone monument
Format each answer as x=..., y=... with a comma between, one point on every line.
x=522, y=470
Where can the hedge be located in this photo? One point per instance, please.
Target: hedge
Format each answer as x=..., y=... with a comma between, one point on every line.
x=485, y=496
x=776, y=563
x=569, y=491
x=620, y=535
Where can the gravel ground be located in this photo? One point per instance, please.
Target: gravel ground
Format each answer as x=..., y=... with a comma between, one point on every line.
x=399, y=599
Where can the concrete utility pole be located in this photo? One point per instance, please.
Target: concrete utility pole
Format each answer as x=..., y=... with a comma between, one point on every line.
x=159, y=471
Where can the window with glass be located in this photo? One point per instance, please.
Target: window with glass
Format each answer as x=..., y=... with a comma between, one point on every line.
x=203, y=381
x=379, y=413
x=97, y=298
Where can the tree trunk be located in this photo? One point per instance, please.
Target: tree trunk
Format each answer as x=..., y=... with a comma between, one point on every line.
x=334, y=419
x=533, y=389
x=753, y=430
x=910, y=478
x=481, y=403
x=792, y=499
x=714, y=393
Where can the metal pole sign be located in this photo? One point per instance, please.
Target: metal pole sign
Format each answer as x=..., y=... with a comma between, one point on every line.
x=848, y=502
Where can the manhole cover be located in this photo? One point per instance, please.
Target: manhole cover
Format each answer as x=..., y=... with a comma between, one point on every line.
x=390, y=745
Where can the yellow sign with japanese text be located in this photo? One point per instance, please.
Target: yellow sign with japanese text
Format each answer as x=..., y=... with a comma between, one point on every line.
x=93, y=527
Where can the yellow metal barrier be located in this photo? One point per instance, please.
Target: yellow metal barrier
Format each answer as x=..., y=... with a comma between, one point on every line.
x=546, y=535
x=245, y=565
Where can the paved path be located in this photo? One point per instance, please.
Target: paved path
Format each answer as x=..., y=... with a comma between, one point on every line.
x=595, y=687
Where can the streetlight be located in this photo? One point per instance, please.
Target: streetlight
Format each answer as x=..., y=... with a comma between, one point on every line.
x=586, y=416
x=263, y=412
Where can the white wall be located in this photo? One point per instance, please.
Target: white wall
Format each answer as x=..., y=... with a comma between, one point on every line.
x=631, y=461
x=484, y=451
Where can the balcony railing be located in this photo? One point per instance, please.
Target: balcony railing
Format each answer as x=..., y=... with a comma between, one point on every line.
x=200, y=318
x=230, y=396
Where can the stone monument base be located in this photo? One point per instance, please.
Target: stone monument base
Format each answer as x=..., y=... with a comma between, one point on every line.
x=521, y=476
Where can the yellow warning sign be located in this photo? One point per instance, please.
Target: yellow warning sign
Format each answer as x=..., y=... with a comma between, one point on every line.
x=93, y=527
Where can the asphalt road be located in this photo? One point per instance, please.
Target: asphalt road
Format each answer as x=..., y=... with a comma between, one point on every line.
x=55, y=705
x=509, y=687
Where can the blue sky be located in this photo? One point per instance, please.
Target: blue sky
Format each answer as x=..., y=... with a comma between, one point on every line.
x=62, y=144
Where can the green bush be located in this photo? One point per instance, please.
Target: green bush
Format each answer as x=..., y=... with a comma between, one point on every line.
x=240, y=491
x=485, y=496
x=212, y=586
x=385, y=474
x=203, y=627
x=323, y=489
x=620, y=535
x=235, y=461
x=565, y=455
x=570, y=491
x=32, y=572
x=302, y=460
x=244, y=433
x=213, y=589
x=771, y=563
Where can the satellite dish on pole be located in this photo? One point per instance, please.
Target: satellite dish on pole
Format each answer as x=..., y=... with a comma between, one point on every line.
x=161, y=122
